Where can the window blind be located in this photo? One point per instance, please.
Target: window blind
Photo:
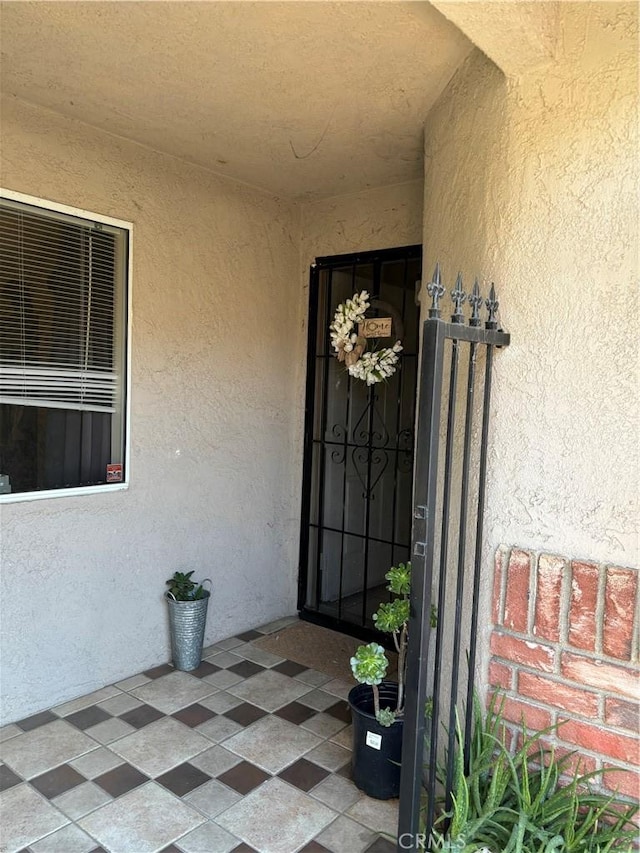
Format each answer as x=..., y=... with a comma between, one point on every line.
x=57, y=310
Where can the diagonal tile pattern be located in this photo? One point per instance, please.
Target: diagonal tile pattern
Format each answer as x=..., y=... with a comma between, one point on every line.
x=276, y=818
x=250, y=753
x=44, y=748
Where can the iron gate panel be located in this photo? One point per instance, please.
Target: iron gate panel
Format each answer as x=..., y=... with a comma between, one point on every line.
x=359, y=446
x=448, y=513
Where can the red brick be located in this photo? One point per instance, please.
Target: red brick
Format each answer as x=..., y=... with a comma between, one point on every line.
x=524, y=652
x=500, y=675
x=511, y=737
x=574, y=762
x=497, y=586
x=548, y=597
x=603, y=676
x=624, y=715
x=535, y=719
x=584, y=600
x=621, y=780
x=620, y=600
x=572, y=699
x=516, y=606
x=598, y=739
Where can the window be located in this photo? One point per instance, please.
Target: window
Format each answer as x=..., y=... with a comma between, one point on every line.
x=63, y=349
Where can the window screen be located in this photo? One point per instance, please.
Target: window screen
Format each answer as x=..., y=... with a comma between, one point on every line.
x=63, y=316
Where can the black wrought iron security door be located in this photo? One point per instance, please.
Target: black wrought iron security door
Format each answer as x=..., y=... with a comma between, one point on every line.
x=359, y=445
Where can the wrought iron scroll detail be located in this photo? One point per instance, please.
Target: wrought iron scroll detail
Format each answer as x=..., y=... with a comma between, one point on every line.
x=365, y=461
x=378, y=432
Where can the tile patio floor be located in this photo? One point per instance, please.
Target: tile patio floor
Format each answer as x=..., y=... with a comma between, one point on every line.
x=248, y=754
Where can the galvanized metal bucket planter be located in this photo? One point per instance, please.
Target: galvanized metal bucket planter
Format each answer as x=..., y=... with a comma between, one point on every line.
x=187, y=620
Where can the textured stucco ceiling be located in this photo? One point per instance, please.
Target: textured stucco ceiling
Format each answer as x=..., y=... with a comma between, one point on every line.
x=303, y=99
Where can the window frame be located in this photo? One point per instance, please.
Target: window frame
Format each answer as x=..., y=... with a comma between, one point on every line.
x=77, y=491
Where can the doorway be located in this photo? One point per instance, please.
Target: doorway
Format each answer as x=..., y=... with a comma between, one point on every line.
x=359, y=445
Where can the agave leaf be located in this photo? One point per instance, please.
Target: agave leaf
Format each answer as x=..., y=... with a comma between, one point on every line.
x=554, y=845
x=517, y=804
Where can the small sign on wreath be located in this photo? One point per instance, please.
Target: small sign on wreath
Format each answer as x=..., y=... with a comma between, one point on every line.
x=376, y=327
x=350, y=346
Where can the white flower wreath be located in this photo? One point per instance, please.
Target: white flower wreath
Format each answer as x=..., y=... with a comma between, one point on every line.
x=371, y=367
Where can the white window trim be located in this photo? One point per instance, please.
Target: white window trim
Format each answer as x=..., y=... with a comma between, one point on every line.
x=77, y=491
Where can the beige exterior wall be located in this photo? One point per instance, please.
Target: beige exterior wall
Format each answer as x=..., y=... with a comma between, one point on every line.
x=214, y=385
x=374, y=219
x=532, y=184
x=218, y=370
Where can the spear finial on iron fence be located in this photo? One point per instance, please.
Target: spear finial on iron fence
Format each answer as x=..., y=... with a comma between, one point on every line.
x=436, y=292
x=492, y=304
x=458, y=296
x=475, y=300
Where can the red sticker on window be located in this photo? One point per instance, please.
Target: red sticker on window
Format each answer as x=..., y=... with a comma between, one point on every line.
x=114, y=473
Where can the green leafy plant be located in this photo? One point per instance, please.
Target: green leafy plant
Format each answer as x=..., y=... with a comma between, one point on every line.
x=182, y=588
x=528, y=802
x=369, y=664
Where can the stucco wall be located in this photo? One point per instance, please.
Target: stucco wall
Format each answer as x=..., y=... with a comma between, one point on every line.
x=374, y=219
x=214, y=481
x=532, y=184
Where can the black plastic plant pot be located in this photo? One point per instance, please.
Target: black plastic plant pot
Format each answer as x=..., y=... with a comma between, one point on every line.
x=375, y=761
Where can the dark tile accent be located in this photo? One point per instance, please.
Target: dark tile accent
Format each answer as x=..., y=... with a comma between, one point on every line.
x=245, y=714
x=120, y=780
x=205, y=668
x=171, y=849
x=141, y=716
x=8, y=778
x=36, y=721
x=102, y=850
x=295, y=713
x=183, y=778
x=246, y=668
x=244, y=777
x=157, y=671
x=55, y=782
x=341, y=711
x=290, y=667
x=194, y=715
x=88, y=717
x=248, y=636
x=381, y=845
x=304, y=774
x=314, y=847
x=244, y=848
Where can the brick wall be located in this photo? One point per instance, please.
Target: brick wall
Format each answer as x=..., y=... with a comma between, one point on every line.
x=564, y=649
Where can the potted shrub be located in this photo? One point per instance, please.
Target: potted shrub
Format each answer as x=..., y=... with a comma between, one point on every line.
x=188, y=602
x=377, y=706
